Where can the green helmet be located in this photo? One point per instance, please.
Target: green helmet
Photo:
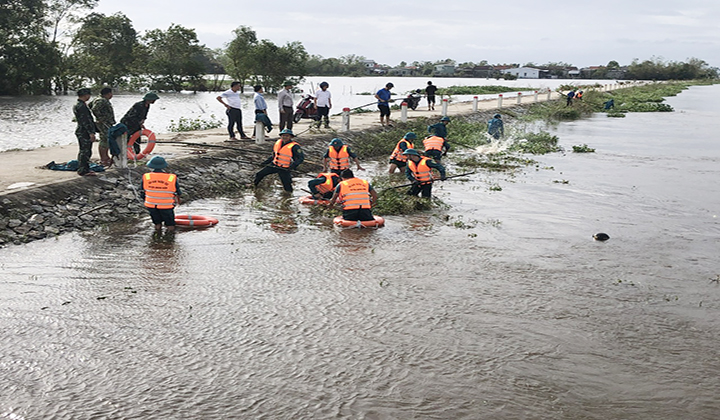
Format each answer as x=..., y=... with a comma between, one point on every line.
x=411, y=152
x=157, y=162
x=151, y=96
x=445, y=118
x=410, y=136
x=287, y=131
x=336, y=142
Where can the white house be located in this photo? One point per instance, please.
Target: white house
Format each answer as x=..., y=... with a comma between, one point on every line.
x=526, y=72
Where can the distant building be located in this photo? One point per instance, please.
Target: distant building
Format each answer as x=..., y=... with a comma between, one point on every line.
x=527, y=73
x=444, y=70
x=403, y=71
x=369, y=64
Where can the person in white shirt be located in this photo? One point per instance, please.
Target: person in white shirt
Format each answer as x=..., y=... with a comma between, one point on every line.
x=285, y=105
x=233, y=110
x=323, y=103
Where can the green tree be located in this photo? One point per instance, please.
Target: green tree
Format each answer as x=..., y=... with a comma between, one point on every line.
x=104, y=48
x=173, y=57
x=238, y=60
x=275, y=64
x=27, y=57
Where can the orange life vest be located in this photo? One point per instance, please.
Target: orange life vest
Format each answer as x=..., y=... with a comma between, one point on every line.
x=397, y=154
x=339, y=160
x=355, y=194
x=283, y=154
x=329, y=183
x=433, y=143
x=159, y=190
x=421, y=171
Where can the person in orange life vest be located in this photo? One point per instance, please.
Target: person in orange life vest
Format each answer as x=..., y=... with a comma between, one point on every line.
x=161, y=193
x=324, y=185
x=356, y=196
x=436, y=147
x=337, y=158
x=286, y=156
x=419, y=172
x=397, y=160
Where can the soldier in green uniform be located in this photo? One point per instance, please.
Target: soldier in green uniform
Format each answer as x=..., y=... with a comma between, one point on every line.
x=134, y=119
x=104, y=114
x=85, y=131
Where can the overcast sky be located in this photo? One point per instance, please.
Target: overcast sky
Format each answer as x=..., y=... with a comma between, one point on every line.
x=580, y=32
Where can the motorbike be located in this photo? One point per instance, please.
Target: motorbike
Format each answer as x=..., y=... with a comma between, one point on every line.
x=306, y=109
x=413, y=99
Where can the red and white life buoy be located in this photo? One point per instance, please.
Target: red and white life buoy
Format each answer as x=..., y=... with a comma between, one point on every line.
x=195, y=221
x=308, y=199
x=148, y=147
x=378, y=222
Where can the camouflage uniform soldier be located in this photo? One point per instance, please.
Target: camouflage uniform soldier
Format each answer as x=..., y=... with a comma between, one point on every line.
x=104, y=119
x=85, y=131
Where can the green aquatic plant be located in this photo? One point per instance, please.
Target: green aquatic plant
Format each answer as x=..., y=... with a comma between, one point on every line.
x=583, y=149
x=479, y=90
x=194, y=124
x=537, y=144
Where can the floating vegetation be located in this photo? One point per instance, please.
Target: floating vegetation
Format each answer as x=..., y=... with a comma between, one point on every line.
x=563, y=181
x=194, y=124
x=395, y=201
x=537, y=144
x=495, y=187
x=616, y=114
x=479, y=90
x=583, y=149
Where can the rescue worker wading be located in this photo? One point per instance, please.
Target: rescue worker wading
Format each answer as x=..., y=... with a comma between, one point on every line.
x=338, y=156
x=286, y=156
x=162, y=193
x=357, y=197
x=436, y=147
x=419, y=172
x=324, y=185
x=397, y=160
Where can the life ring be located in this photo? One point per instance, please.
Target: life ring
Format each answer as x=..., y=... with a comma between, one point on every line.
x=195, y=221
x=308, y=199
x=148, y=148
x=378, y=222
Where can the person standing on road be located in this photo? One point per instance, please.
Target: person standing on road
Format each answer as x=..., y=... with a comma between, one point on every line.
x=383, y=97
x=419, y=172
x=286, y=156
x=323, y=103
x=285, y=105
x=430, y=92
x=85, y=131
x=134, y=119
x=233, y=110
x=104, y=114
x=261, y=108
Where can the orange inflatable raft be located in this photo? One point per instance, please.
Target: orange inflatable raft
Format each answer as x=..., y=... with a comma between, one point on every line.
x=309, y=200
x=195, y=221
x=378, y=222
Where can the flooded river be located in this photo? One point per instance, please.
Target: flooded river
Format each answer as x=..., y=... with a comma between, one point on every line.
x=500, y=307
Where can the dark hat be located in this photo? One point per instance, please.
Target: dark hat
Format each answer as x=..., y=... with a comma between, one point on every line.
x=151, y=96
x=336, y=142
x=410, y=136
x=157, y=162
x=287, y=131
x=411, y=152
x=497, y=116
x=445, y=118
x=389, y=85
x=84, y=91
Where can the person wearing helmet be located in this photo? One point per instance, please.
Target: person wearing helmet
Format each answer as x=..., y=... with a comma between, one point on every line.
x=324, y=185
x=496, y=127
x=419, y=172
x=285, y=106
x=397, y=159
x=161, y=192
x=357, y=197
x=287, y=155
x=383, y=97
x=436, y=147
x=338, y=156
x=430, y=92
x=323, y=103
x=134, y=119
x=439, y=129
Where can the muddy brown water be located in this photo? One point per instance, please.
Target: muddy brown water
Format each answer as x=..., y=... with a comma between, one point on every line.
x=507, y=310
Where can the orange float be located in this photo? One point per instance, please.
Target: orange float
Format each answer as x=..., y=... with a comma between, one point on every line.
x=309, y=200
x=195, y=221
x=378, y=222
x=148, y=148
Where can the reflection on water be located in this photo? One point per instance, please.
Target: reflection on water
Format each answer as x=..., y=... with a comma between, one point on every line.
x=274, y=313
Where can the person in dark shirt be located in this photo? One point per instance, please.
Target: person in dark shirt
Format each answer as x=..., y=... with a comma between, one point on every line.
x=134, y=119
x=430, y=92
x=85, y=131
x=440, y=129
x=287, y=155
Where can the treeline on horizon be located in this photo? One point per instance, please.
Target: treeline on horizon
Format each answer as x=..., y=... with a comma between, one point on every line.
x=100, y=50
